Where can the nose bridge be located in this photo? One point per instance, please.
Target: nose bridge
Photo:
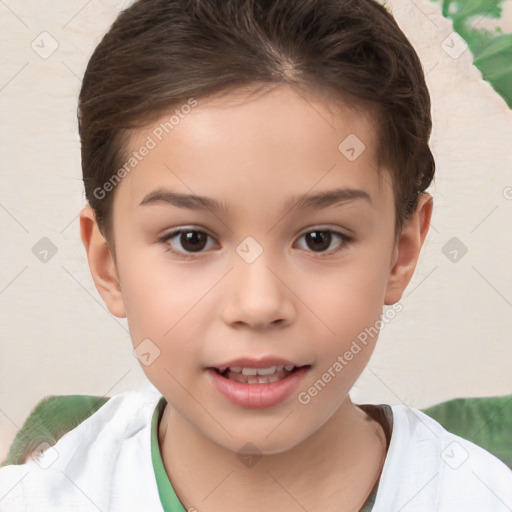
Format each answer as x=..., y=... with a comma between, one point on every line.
x=256, y=295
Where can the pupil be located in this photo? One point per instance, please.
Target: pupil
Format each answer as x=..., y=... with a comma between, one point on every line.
x=321, y=239
x=190, y=239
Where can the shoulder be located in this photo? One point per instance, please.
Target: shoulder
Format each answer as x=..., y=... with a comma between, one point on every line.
x=111, y=445
x=429, y=468
x=48, y=421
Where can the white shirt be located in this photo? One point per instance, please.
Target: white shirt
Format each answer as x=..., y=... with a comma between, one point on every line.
x=105, y=465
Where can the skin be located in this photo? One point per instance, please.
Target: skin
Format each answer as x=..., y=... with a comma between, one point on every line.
x=294, y=301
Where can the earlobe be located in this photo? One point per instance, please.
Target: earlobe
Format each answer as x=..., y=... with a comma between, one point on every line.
x=407, y=250
x=101, y=263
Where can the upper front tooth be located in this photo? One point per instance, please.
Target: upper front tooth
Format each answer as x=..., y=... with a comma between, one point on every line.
x=267, y=371
x=258, y=371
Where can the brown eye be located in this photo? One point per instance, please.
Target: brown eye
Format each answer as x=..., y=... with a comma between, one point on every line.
x=190, y=240
x=321, y=241
x=318, y=240
x=193, y=240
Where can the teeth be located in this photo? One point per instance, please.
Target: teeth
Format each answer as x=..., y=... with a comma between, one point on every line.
x=257, y=379
x=263, y=371
x=268, y=379
x=270, y=374
x=258, y=375
x=267, y=371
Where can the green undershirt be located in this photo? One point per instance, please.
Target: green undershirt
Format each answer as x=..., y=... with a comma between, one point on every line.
x=168, y=498
x=170, y=501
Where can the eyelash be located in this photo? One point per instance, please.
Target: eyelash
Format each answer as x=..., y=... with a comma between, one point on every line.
x=345, y=239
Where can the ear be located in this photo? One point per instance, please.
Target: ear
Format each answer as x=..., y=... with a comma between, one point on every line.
x=407, y=249
x=101, y=263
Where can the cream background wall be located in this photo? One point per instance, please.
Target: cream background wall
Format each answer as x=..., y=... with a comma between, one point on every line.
x=452, y=337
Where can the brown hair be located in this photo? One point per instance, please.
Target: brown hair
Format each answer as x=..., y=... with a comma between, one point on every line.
x=159, y=53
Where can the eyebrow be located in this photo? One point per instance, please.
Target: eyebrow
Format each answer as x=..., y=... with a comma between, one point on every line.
x=304, y=202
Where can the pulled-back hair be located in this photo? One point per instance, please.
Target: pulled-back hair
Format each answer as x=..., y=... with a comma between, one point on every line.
x=160, y=53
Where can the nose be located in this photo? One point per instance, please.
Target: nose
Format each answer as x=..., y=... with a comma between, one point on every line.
x=256, y=295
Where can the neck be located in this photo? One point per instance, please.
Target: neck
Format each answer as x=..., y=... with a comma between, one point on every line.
x=336, y=468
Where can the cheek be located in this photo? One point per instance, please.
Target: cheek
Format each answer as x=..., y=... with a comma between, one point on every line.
x=348, y=304
x=165, y=304
x=156, y=294
x=348, y=298
x=162, y=318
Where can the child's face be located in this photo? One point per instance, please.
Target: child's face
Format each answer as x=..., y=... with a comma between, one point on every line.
x=304, y=299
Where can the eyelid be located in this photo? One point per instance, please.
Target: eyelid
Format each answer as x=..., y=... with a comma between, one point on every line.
x=185, y=229
x=333, y=229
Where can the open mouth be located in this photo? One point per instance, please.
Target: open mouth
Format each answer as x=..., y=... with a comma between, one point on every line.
x=258, y=387
x=258, y=375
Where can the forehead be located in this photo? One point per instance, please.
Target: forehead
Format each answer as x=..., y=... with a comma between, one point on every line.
x=282, y=140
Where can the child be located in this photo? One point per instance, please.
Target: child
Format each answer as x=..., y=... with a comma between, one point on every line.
x=288, y=141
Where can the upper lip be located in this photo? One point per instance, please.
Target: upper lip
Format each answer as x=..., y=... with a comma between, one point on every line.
x=249, y=362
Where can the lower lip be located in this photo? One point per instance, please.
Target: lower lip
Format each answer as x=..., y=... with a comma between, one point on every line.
x=257, y=396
